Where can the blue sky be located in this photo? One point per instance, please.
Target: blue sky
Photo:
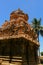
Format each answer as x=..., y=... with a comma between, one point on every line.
x=34, y=9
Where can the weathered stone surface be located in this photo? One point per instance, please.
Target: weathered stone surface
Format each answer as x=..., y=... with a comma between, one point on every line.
x=17, y=25
x=17, y=38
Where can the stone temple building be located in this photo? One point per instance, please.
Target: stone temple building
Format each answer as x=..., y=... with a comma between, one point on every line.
x=18, y=42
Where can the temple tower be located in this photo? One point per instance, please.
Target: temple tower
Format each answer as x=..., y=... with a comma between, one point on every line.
x=18, y=42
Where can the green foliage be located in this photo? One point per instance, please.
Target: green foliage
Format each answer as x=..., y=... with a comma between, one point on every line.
x=41, y=53
x=38, y=29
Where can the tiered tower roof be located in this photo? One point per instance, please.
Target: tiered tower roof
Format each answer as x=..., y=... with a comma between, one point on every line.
x=18, y=27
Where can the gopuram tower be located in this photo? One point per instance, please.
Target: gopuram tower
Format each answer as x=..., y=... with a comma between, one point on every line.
x=18, y=42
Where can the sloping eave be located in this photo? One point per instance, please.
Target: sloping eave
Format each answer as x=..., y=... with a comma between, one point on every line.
x=21, y=36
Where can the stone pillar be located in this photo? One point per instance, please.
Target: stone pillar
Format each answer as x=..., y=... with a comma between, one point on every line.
x=36, y=54
x=31, y=55
x=24, y=54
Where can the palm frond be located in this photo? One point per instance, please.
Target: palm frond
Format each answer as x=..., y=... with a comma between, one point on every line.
x=36, y=23
x=41, y=32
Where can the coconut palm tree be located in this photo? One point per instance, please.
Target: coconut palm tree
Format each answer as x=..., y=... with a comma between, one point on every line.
x=38, y=29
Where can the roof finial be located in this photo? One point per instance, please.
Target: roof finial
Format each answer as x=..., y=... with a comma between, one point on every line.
x=19, y=9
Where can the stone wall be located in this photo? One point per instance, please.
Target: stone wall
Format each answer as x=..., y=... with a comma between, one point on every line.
x=20, y=47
